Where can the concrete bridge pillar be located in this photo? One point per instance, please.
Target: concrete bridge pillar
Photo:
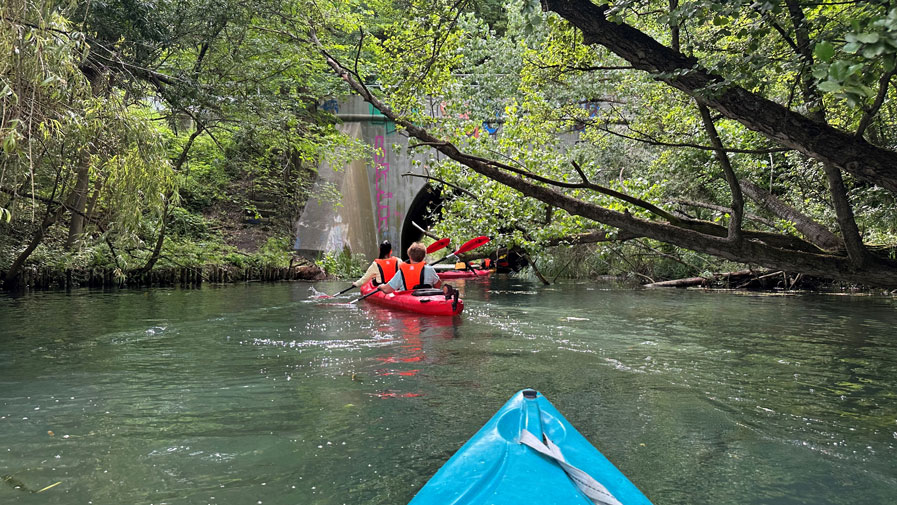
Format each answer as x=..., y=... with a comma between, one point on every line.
x=375, y=202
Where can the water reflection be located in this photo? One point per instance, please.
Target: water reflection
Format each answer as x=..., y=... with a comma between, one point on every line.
x=413, y=333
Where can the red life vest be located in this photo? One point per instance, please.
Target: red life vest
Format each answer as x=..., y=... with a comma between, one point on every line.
x=412, y=274
x=388, y=268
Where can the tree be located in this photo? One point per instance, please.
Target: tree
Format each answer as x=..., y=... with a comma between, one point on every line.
x=222, y=66
x=93, y=91
x=56, y=132
x=744, y=91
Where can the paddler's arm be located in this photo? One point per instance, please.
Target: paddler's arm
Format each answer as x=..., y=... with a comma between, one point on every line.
x=372, y=272
x=395, y=284
x=431, y=277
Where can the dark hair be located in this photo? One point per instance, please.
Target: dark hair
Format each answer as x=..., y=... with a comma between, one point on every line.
x=385, y=249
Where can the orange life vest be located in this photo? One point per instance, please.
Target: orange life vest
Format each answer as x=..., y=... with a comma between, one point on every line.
x=388, y=268
x=412, y=274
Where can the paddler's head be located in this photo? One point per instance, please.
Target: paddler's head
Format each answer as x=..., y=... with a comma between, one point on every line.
x=417, y=252
x=385, y=250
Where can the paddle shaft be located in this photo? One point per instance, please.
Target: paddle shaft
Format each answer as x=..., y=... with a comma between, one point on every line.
x=365, y=296
x=344, y=291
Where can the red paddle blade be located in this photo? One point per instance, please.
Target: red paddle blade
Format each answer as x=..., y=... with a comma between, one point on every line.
x=472, y=244
x=439, y=244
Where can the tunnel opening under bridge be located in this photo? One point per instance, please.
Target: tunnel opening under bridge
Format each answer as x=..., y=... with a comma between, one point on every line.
x=421, y=215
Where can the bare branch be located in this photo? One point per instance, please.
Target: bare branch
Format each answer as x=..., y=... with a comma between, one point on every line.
x=454, y=186
x=727, y=210
x=869, y=113
x=654, y=142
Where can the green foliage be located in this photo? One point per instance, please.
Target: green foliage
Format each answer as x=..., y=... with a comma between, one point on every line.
x=849, y=70
x=211, y=88
x=560, y=101
x=343, y=264
x=186, y=224
x=67, y=138
x=276, y=251
x=205, y=176
x=207, y=111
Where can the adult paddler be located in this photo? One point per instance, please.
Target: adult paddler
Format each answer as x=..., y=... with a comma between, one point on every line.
x=415, y=273
x=382, y=269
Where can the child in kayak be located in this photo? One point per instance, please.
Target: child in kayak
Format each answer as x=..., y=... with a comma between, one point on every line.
x=382, y=269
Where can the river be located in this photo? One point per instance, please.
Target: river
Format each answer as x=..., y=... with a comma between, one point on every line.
x=261, y=394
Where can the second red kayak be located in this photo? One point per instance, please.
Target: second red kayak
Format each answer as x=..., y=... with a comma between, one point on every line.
x=424, y=302
x=463, y=274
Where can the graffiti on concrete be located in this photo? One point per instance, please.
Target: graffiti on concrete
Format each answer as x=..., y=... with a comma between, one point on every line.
x=382, y=196
x=331, y=106
x=593, y=109
x=380, y=118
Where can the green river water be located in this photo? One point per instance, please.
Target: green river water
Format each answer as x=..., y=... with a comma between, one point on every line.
x=261, y=394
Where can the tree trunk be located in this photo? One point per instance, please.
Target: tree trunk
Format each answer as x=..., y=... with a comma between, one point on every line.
x=737, y=215
x=13, y=274
x=79, y=204
x=678, y=283
x=160, y=240
x=846, y=221
x=814, y=232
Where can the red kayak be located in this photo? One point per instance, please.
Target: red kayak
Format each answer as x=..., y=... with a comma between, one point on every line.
x=463, y=274
x=422, y=301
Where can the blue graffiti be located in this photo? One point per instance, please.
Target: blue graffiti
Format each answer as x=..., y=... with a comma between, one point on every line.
x=593, y=109
x=489, y=129
x=331, y=106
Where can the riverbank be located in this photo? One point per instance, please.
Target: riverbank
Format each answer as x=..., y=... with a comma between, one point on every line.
x=48, y=278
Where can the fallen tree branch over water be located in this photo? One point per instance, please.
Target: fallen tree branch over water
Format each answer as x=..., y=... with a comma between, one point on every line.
x=699, y=281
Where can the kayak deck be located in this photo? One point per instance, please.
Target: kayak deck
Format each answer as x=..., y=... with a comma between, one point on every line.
x=495, y=468
x=433, y=305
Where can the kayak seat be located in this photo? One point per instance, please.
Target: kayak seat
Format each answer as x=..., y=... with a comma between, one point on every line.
x=426, y=292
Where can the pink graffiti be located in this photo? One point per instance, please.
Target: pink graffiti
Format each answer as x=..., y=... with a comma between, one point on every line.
x=382, y=196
